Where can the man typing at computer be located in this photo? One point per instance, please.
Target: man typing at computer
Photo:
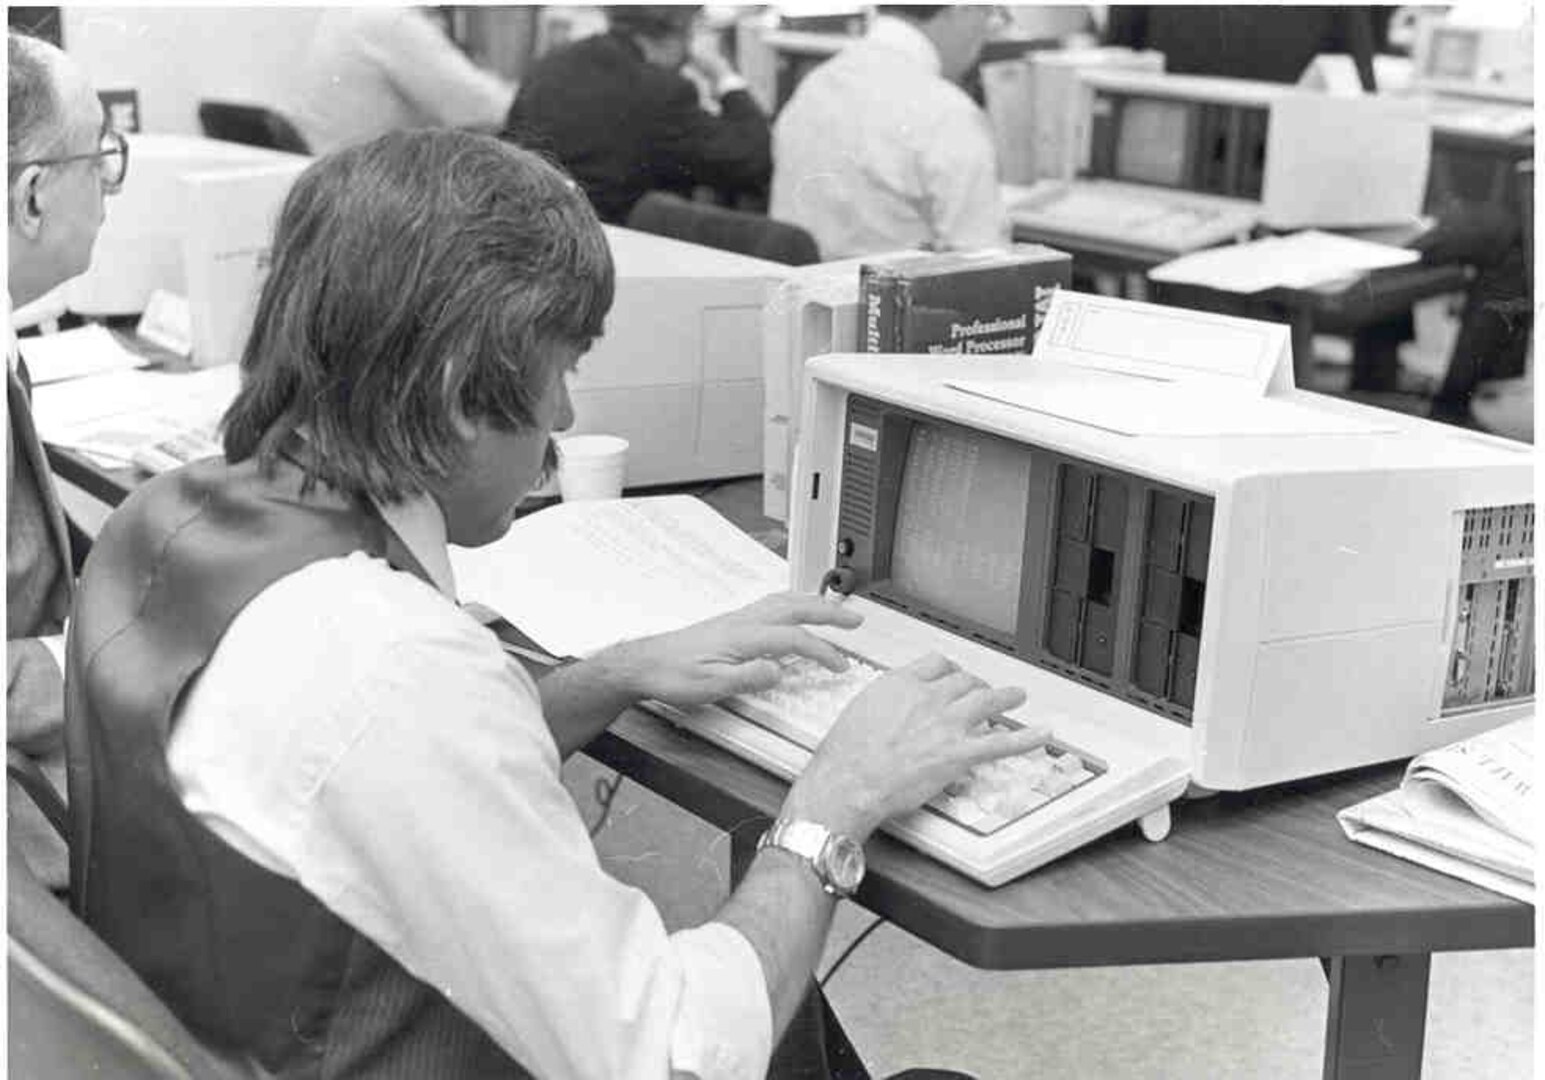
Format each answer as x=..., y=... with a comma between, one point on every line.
x=319, y=809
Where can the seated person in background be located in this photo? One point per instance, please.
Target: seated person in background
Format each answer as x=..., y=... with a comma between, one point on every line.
x=1273, y=43
x=60, y=164
x=319, y=809
x=372, y=69
x=616, y=111
x=879, y=149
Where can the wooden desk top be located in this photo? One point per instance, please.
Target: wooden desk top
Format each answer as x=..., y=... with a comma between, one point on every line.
x=1252, y=875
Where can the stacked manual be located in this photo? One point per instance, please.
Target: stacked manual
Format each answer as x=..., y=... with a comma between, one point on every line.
x=1466, y=809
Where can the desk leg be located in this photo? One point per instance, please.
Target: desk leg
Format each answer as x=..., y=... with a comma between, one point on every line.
x=1377, y=1017
x=1301, y=323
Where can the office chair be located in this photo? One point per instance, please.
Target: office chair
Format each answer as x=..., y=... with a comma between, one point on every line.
x=719, y=227
x=75, y=1009
x=254, y=125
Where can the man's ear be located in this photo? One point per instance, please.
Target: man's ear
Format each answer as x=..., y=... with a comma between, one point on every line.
x=27, y=198
x=464, y=426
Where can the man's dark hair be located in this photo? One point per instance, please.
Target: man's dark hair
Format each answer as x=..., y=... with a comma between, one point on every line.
x=653, y=21
x=916, y=12
x=33, y=110
x=412, y=275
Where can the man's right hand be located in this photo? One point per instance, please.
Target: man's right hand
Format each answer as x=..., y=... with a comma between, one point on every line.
x=900, y=742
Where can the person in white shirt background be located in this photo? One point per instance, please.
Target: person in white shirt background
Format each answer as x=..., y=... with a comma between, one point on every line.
x=61, y=163
x=878, y=149
x=403, y=773
x=372, y=68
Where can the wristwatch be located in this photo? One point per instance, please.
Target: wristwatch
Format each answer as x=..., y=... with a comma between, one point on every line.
x=838, y=861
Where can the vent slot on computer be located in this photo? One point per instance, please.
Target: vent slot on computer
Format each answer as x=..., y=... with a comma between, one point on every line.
x=1491, y=656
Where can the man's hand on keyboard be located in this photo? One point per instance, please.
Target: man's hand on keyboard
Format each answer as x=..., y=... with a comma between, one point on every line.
x=914, y=730
x=734, y=653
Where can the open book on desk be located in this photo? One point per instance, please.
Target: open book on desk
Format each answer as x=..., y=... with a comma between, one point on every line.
x=1466, y=809
x=576, y=577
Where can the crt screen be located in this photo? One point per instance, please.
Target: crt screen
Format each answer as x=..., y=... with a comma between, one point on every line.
x=1452, y=54
x=1151, y=147
x=960, y=525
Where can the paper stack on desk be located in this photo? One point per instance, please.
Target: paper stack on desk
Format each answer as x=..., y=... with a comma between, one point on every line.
x=1465, y=809
x=152, y=419
x=1297, y=261
x=71, y=354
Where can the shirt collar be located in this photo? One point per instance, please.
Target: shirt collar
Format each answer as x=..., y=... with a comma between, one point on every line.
x=900, y=35
x=420, y=526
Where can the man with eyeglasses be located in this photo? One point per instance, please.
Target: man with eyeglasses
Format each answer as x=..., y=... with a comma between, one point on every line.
x=61, y=162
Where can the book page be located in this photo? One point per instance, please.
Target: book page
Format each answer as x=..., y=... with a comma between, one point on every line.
x=577, y=577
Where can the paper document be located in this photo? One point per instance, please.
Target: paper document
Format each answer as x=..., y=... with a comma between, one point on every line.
x=577, y=577
x=1465, y=809
x=119, y=418
x=1297, y=261
x=71, y=354
x=1197, y=348
x=1129, y=405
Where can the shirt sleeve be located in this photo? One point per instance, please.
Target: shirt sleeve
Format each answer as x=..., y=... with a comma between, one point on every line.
x=436, y=77
x=445, y=835
x=960, y=182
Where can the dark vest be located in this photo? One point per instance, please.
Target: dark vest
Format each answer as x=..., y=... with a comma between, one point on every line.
x=248, y=959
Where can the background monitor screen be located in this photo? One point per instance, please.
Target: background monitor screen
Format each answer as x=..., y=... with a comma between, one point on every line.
x=1152, y=145
x=960, y=525
x=1453, y=53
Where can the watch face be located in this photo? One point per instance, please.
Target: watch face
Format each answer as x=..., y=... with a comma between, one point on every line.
x=844, y=864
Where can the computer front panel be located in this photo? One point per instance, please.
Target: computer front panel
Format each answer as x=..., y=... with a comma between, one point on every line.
x=1079, y=568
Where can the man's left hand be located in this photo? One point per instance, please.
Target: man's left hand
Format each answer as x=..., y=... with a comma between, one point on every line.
x=733, y=653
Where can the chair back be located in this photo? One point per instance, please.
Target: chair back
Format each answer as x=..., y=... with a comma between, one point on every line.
x=1523, y=188
x=254, y=125
x=712, y=226
x=75, y=1009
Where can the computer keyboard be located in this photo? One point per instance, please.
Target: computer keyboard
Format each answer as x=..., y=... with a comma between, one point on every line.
x=804, y=705
x=1129, y=213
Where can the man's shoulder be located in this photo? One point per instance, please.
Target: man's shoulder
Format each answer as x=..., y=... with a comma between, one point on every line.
x=360, y=613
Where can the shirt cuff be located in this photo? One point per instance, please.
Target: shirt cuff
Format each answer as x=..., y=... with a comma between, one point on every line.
x=729, y=84
x=723, y=1025
x=54, y=643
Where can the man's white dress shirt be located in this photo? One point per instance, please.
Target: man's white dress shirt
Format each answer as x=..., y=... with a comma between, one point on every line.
x=372, y=69
x=877, y=151
x=359, y=733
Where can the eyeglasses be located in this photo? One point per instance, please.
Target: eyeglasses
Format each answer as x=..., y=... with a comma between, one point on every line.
x=112, y=153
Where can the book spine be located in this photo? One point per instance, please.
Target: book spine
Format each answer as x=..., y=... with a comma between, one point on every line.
x=877, y=311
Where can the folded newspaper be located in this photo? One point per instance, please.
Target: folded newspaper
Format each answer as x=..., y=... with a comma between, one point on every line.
x=1465, y=809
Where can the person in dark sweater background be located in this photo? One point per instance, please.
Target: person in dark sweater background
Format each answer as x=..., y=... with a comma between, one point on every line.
x=616, y=111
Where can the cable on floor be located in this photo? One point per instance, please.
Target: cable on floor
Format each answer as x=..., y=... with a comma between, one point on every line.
x=605, y=794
